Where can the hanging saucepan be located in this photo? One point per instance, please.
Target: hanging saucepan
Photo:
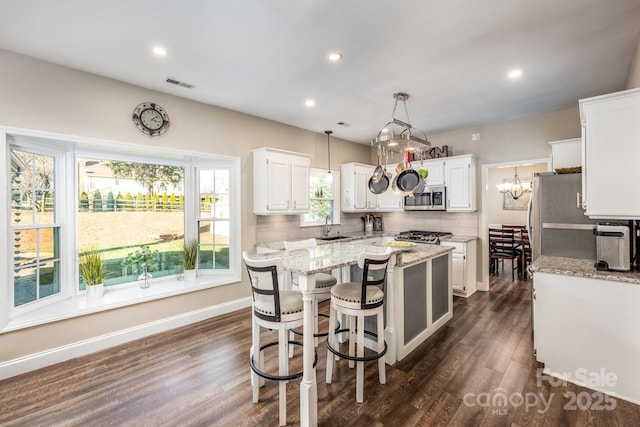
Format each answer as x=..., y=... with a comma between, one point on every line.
x=408, y=179
x=380, y=186
x=378, y=171
x=422, y=183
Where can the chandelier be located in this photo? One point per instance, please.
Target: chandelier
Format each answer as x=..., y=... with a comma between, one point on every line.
x=395, y=131
x=515, y=188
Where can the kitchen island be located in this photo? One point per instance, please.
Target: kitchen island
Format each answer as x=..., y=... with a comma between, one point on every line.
x=419, y=276
x=585, y=325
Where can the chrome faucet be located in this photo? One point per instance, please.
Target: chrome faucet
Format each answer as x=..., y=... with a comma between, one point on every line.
x=326, y=225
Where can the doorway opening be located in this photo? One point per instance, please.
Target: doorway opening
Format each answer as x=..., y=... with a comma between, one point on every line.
x=500, y=208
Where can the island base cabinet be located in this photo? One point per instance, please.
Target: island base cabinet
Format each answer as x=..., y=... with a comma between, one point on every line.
x=586, y=332
x=423, y=302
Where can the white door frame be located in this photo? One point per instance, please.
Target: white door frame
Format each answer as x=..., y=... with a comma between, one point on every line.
x=484, y=230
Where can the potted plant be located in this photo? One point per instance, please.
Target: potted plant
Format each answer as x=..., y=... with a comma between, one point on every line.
x=145, y=260
x=189, y=258
x=92, y=271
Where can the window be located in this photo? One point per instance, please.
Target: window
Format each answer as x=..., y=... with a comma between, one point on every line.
x=112, y=196
x=36, y=243
x=133, y=203
x=324, y=199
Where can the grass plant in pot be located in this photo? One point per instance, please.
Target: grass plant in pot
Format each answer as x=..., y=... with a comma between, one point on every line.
x=189, y=258
x=92, y=271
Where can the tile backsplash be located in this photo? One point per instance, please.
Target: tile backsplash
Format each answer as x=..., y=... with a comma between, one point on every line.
x=271, y=228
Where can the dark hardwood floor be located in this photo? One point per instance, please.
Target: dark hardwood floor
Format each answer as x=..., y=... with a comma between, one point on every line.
x=199, y=376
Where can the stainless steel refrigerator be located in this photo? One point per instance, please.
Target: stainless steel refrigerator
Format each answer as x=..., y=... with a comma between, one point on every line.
x=557, y=224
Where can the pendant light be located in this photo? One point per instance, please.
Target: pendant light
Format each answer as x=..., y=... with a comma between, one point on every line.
x=515, y=188
x=329, y=177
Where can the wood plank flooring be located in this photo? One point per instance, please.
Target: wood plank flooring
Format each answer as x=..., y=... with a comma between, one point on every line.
x=199, y=376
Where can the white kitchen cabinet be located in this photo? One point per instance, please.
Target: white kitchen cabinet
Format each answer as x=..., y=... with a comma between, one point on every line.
x=460, y=180
x=611, y=149
x=566, y=153
x=586, y=326
x=356, y=197
x=280, y=182
x=436, y=171
x=463, y=260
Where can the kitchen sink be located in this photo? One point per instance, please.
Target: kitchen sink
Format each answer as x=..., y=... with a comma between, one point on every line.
x=332, y=237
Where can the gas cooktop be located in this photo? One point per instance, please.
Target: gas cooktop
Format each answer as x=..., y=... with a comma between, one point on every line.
x=422, y=236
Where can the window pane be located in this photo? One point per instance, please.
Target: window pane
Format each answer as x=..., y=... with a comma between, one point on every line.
x=221, y=206
x=32, y=184
x=24, y=247
x=222, y=181
x=321, y=197
x=49, y=283
x=134, y=213
x=24, y=286
x=214, y=245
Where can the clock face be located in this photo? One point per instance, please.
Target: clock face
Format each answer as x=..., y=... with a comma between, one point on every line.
x=151, y=119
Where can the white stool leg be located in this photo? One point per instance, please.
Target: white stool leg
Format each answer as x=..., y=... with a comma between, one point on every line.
x=256, y=381
x=360, y=365
x=292, y=337
x=283, y=370
x=331, y=340
x=380, y=331
x=352, y=338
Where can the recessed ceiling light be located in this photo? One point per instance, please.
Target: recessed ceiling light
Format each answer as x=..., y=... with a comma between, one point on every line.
x=334, y=56
x=515, y=74
x=309, y=103
x=160, y=51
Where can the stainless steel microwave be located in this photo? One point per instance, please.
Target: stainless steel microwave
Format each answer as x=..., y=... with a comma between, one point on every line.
x=432, y=199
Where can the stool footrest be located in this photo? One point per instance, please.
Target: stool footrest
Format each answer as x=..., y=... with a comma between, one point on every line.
x=355, y=358
x=320, y=334
x=279, y=377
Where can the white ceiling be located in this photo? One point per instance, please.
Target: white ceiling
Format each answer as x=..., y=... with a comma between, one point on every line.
x=266, y=57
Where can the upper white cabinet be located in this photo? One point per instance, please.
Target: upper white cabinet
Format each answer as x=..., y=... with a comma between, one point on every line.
x=460, y=179
x=356, y=196
x=280, y=182
x=610, y=150
x=566, y=153
x=435, y=168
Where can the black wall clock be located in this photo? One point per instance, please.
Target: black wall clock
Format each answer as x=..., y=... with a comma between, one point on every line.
x=151, y=119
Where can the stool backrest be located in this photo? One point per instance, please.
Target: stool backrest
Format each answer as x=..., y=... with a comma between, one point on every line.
x=300, y=244
x=263, y=275
x=374, y=273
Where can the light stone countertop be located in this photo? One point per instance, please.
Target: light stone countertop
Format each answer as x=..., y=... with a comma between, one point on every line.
x=339, y=254
x=278, y=245
x=461, y=239
x=581, y=268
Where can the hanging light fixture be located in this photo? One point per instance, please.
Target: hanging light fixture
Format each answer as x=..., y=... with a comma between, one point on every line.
x=515, y=188
x=329, y=177
x=395, y=132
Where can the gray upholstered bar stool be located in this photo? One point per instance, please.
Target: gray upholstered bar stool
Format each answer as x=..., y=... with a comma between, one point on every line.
x=324, y=282
x=357, y=301
x=274, y=309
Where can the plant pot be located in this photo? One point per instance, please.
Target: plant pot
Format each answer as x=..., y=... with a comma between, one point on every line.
x=95, y=292
x=190, y=275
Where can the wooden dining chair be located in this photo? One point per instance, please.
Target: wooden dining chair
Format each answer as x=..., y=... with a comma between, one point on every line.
x=526, y=251
x=504, y=246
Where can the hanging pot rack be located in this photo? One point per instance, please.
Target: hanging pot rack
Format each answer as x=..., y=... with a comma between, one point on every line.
x=397, y=135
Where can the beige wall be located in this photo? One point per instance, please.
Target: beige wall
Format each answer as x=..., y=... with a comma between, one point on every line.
x=43, y=96
x=633, y=80
x=496, y=213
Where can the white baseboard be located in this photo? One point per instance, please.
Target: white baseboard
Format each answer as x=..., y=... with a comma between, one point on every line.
x=34, y=361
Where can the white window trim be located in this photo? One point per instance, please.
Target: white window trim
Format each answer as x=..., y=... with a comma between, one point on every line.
x=73, y=303
x=336, y=202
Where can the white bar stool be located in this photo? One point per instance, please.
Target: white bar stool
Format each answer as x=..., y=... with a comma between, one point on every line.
x=357, y=301
x=273, y=309
x=324, y=282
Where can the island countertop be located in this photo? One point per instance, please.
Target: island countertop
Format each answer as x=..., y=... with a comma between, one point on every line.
x=333, y=255
x=581, y=268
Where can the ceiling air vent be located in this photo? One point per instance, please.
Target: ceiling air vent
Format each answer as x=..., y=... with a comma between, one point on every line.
x=178, y=83
x=343, y=124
